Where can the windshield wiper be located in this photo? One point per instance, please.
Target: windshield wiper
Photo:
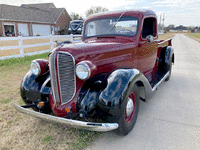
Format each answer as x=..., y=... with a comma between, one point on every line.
x=116, y=22
x=105, y=36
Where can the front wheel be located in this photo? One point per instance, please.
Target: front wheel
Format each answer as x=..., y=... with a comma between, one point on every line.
x=130, y=112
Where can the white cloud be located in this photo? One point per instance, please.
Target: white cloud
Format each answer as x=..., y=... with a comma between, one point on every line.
x=186, y=12
x=175, y=3
x=82, y=6
x=146, y=7
x=19, y=2
x=180, y=19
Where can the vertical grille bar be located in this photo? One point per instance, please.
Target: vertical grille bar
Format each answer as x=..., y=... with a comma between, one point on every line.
x=66, y=76
x=54, y=84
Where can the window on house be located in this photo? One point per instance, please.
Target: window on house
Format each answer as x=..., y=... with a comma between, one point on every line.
x=9, y=30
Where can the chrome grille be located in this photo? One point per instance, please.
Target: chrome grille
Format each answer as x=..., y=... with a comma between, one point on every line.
x=66, y=73
x=66, y=76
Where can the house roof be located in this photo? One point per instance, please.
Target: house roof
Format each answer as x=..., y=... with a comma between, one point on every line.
x=56, y=12
x=40, y=5
x=38, y=13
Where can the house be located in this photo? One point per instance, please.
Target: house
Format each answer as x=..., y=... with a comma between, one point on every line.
x=32, y=19
x=197, y=29
x=181, y=28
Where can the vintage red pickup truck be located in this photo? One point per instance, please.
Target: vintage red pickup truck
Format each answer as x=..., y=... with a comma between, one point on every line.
x=119, y=62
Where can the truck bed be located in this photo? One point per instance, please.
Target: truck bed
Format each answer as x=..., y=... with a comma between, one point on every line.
x=160, y=69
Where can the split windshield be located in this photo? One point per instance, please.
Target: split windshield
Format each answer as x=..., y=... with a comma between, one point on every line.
x=123, y=26
x=75, y=24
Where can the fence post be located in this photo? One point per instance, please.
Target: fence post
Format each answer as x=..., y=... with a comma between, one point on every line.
x=71, y=38
x=21, y=46
x=51, y=41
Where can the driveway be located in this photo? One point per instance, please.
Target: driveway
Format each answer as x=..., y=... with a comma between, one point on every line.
x=171, y=118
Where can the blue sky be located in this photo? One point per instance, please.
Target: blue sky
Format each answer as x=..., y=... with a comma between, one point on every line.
x=177, y=12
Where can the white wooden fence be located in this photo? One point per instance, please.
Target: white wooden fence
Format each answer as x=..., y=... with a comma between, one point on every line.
x=21, y=46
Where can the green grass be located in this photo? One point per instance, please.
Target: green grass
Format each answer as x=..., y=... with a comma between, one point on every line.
x=24, y=60
x=5, y=101
x=22, y=103
x=4, y=148
x=47, y=138
x=84, y=139
x=197, y=35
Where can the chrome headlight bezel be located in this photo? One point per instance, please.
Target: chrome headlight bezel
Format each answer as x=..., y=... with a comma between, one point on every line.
x=35, y=68
x=83, y=71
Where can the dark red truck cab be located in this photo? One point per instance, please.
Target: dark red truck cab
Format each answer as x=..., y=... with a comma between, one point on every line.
x=119, y=62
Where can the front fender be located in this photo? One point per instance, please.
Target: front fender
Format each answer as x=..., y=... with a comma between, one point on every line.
x=112, y=98
x=118, y=83
x=35, y=88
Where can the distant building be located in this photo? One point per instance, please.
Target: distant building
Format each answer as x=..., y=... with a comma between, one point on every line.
x=181, y=28
x=173, y=30
x=197, y=29
x=32, y=19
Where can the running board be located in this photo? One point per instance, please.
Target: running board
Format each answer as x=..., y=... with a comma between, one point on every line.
x=156, y=86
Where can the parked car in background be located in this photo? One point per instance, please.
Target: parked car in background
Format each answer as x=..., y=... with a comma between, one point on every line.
x=75, y=27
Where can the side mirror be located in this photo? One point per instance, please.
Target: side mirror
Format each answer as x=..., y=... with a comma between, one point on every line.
x=150, y=38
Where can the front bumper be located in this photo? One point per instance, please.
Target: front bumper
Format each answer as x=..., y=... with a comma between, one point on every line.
x=73, y=123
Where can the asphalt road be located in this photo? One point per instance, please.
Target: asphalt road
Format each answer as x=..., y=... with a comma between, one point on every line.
x=171, y=118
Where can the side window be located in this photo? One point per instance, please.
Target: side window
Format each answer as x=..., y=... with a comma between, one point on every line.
x=127, y=27
x=149, y=27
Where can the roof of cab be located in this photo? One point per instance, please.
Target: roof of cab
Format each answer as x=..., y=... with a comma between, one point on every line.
x=136, y=13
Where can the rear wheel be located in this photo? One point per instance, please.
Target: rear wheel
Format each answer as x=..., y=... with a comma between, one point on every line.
x=170, y=71
x=130, y=112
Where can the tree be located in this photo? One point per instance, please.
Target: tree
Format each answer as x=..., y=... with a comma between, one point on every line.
x=171, y=26
x=192, y=29
x=76, y=16
x=96, y=9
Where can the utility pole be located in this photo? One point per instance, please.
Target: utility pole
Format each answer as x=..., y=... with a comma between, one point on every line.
x=160, y=24
x=163, y=21
x=160, y=18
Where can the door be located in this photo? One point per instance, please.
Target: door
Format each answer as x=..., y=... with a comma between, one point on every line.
x=23, y=29
x=43, y=30
x=147, y=51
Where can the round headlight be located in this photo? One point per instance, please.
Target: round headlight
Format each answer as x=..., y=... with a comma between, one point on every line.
x=83, y=71
x=35, y=68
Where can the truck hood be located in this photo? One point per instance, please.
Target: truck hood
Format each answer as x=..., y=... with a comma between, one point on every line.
x=80, y=50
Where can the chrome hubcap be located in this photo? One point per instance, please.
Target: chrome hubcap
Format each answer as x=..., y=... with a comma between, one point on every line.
x=129, y=107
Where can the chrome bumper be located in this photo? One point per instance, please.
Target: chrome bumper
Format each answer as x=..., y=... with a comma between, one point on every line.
x=74, y=123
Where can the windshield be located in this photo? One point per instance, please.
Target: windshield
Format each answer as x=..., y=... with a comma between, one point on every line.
x=76, y=24
x=125, y=26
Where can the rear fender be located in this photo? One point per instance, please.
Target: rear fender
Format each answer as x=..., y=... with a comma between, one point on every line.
x=169, y=55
